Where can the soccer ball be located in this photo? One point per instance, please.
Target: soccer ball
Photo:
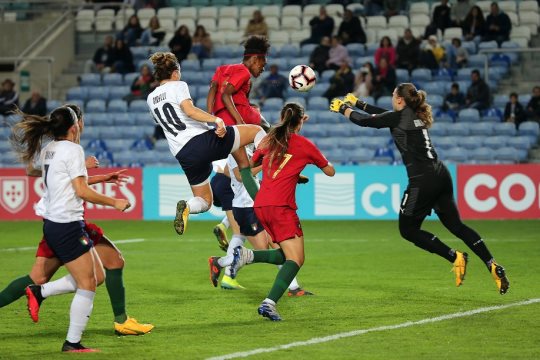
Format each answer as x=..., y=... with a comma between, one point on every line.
x=302, y=78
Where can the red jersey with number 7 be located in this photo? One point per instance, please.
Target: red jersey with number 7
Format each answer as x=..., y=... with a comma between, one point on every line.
x=279, y=180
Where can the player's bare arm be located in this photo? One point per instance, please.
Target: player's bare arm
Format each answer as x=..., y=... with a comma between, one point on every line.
x=211, y=98
x=86, y=193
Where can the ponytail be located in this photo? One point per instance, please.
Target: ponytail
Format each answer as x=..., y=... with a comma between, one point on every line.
x=416, y=100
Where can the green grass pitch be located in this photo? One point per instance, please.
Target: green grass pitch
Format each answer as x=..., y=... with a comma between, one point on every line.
x=364, y=276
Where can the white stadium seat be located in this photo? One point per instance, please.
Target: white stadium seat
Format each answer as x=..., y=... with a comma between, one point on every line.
x=103, y=24
x=228, y=12
x=247, y=11
x=507, y=6
x=167, y=13
x=292, y=10
x=376, y=22
x=291, y=23
x=271, y=10
x=420, y=20
x=530, y=20
x=189, y=23
x=398, y=21
x=209, y=24
x=227, y=24
x=312, y=10
x=529, y=5
x=105, y=14
x=278, y=38
x=273, y=23
x=453, y=32
x=419, y=8
x=188, y=12
x=208, y=12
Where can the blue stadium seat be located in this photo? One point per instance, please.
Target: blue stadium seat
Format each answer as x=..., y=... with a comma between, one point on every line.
x=500, y=101
x=435, y=88
x=360, y=61
x=96, y=106
x=162, y=146
x=326, y=144
x=421, y=75
x=371, y=49
x=495, y=142
x=508, y=129
x=53, y=104
x=325, y=117
x=129, y=78
x=437, y=129
x=211, y=64
x=336, y=156
x=313, y=131
x=435, y=99
x=488, y=45
x=101, y=119
x=456, y=155
x=529, y=128
x=374, y=142
x=481, y=128
x=140, y=52
x=118, y=92
x=444, y=118
x=223, y=51
x=468, y=115
x=361, y=132
x=77, y=93
x=520, y=142
x=95, y=145
x=191, y=65
x=384, y=155
x=307, y=49
x=470, y=46
x=476, y=61
x=506, y=155
x=118, y=145
x=402, y=75
x=340, y=130
x=117, y=105
x=446, y=142
x=122, y=120
x=361, y=155
x=356, y=50
x=114, y=79
x=385, y=102
x=98, y=92
x=144, y=118
x=492, y=114
x=138, y=106
x=318, y=90
x=289, y=51
x=90, y=79
x=297, y=99
x=470, y=142
x=443, y=74
x=327, y=75
x=350, y=143
x=482, y=155
x=318, y=103
x=272, y=104
x=141, y=145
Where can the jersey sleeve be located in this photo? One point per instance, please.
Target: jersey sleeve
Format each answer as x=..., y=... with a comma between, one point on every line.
x=75, y=164
x=182, y=92
x=257, y=156
x=238, y=78
x=316, y=157
x=217, y=75
x=388, y=119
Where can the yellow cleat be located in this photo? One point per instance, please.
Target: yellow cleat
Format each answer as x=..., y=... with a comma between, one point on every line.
x=182, y=214
x=229, y=283
x=132, y=327
x=460, y=267
x=220, y=231
x=499, y=275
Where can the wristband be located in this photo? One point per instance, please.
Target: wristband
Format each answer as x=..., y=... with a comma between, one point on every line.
x=343, y=107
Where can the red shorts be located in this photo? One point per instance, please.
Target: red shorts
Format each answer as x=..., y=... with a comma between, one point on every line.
x=250, y=115
x=95, y=233
x=281, y=222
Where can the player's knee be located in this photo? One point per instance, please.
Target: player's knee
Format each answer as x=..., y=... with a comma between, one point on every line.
x=89, y=283
x=407, y=231
x=117, y=262
x=100, y=278
x=39, y=279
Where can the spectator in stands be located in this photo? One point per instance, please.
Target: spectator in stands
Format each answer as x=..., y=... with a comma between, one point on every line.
x=321, y=26
x=454, y=100
x=373, y=7
x=338, y=54
x=320, y=55
x=142, y=85
x=459, y=12
x=514, y=111
x=392, y=7
x=9, y=98
x=257, y=25
x=408, y=51
x=122, y=58
x=533, y=107
x=457, y=55
x=478, y=96
x=432, y=54
x=440, y=19
x=35, y=105
x=341, y=83
x=384, y=80
x=274, y=85
x=153, y=35
x=202, y=43
x=350, y=30
x=387, y=51
x=103, y=57
x=498, y=25
x=131, y=34
x=474, y=24
x=181, y=43
x=363, y=82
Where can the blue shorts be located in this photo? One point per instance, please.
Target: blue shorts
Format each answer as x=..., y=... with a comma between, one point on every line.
x=68, y=241
x=247, y=220
x=197, y=155
x=223, y=193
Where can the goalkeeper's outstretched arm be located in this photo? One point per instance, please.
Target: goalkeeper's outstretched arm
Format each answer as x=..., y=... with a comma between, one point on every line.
x=352, y=100
x=386, y=120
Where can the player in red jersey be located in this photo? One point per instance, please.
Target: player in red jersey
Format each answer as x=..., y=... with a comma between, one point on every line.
x=228, y=97
x=46, y=263
x=284, y=154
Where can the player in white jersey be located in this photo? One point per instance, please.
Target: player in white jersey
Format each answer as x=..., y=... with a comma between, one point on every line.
x=66, y=187
x=250, y=227
x=192, y=142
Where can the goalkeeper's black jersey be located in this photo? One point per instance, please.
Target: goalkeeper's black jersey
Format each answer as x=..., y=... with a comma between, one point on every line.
x=409, y=133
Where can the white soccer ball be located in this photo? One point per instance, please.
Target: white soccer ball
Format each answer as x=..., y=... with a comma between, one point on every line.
x=302, y=78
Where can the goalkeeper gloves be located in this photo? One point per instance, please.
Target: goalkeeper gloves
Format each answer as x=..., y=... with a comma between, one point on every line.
x=337, y=105
x=352, y=100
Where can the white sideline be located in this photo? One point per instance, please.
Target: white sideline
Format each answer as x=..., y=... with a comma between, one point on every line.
x=319, y=340
x=26, y=248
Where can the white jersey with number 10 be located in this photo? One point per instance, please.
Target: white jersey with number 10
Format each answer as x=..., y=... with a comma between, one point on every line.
x=164, y=103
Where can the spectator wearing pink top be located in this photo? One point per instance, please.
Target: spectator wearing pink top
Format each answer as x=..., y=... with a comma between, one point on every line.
x=338, y=54
x=387, y=51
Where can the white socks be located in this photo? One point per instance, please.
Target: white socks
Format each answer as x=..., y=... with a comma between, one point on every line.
x=197, y=205
x=258, y=137
x=237, y=240
x=79, y=314
x=63, y=285
x=226, y=222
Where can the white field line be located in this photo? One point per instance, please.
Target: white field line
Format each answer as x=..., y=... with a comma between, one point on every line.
x=27, y=248
x=319, y=340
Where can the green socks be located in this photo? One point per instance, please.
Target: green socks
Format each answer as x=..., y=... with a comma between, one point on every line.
x=117, y=294
x=283, y=279
x=249, y=182
x=269, y=256
x=14, y=290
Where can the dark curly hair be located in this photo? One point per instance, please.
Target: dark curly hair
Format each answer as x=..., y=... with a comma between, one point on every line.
x=256, y=45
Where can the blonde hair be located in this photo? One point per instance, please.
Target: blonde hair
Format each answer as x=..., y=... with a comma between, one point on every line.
x=165, y=63
x=416, y=100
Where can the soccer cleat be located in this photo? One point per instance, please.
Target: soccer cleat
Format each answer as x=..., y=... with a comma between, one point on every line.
x=132, y=327
x=499, y=275
x=76, y=348
x=242, y=256
x=460, y=267
x=215, y=269
x=34, y=299
x=221, y=235
x=299, y=292
x=182, y=213
x=269, y=311
x=229, y=283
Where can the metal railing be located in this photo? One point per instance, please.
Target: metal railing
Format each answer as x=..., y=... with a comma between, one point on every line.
x=48, y=59
x=503, y=51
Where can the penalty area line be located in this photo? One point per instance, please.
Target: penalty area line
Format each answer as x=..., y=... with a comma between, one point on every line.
x=319, y=340
x=27, y=248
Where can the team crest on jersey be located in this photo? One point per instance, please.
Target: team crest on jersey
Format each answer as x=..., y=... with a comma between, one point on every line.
x=14, y=193
x=254, y=227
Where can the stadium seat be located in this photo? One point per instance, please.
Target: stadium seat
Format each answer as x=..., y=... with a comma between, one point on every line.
x=122, y=119
x=507, y=129
x=114, y=79
x=289, y=50
x=349, y=143
x=327, y=75
x=495, y=142
x=98, y=92
x=118, y=92
x=313, y=131
x=468, y=115
x=95, y=145
x=529, y=128
x=446, y=142
x=340, y=131
x=299, y=100
x=481, y=128
x=138, y=106
x=211, y=64
x=361, y=155
x=326, y=144
x=96, y=106
x=402, y=75
x=117, y=105
x=53, y=104
x=374, y=142
x=421, y=75
x=519, y=142
x=470, y=142
x=318, y=103
x=77, y=93
x=482, y=155
x=456, y=155
x=90, y=79
x=356, y=50
x=272, y=104
x=118, y=145
x=385, y=102
x=506, y=155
